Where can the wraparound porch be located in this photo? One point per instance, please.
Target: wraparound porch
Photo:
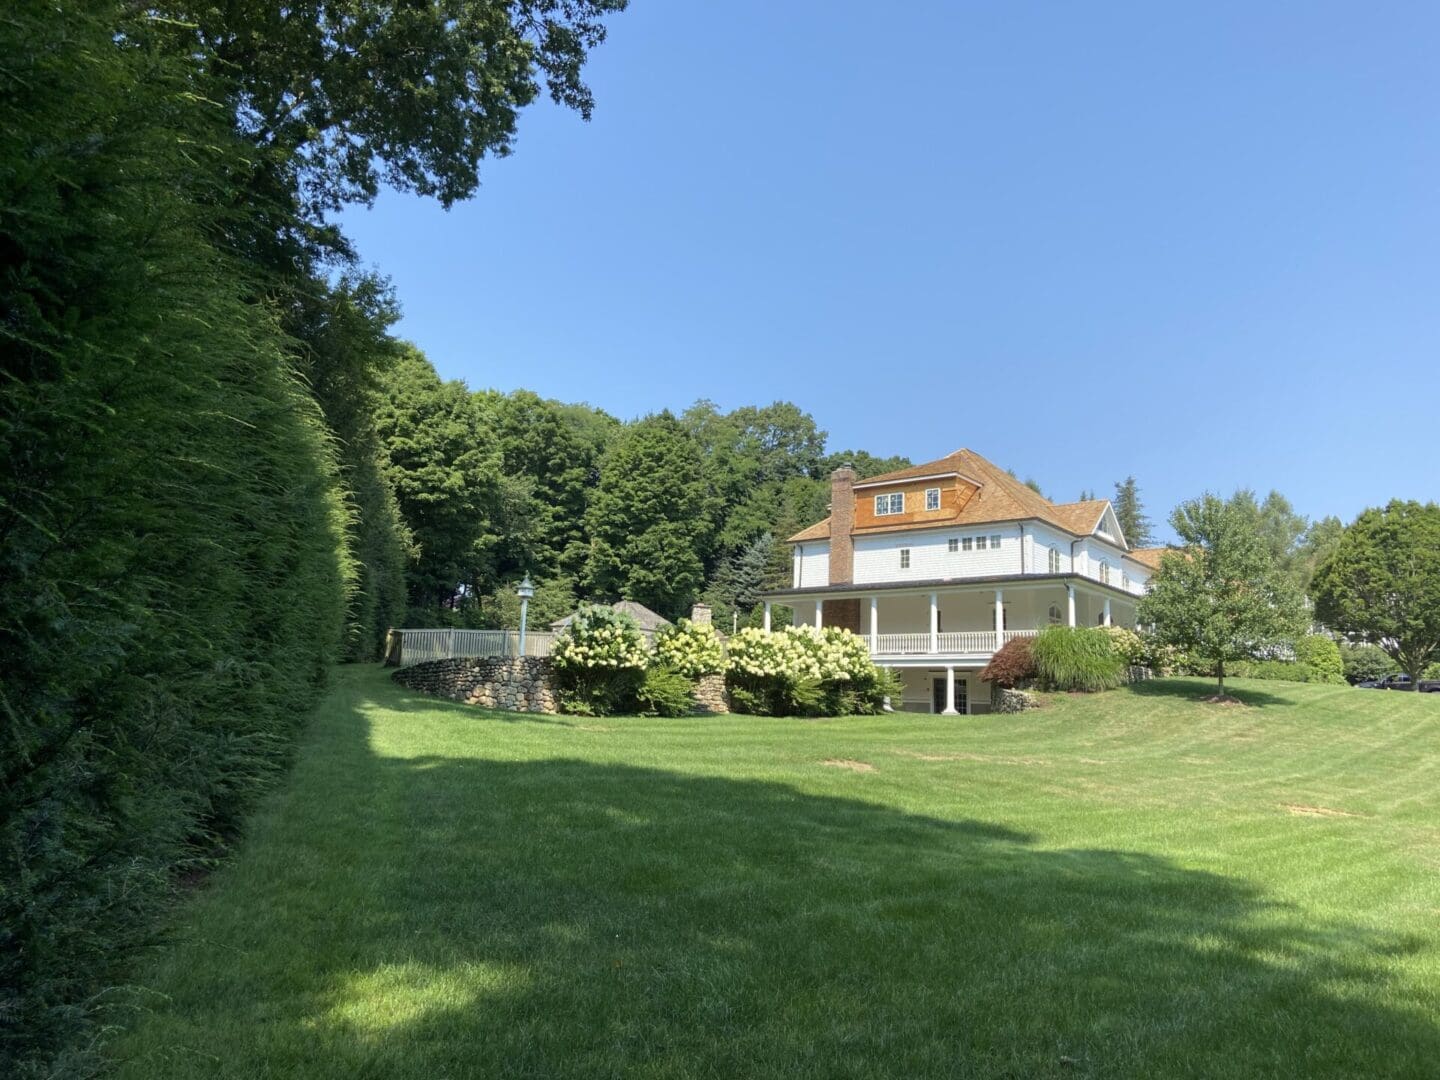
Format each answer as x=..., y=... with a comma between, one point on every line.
x=957, y=623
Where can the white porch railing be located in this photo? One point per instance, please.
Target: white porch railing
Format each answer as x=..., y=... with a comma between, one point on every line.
x=1011, y=635
x=417, y=646
x=902, y=644
x=968, y=641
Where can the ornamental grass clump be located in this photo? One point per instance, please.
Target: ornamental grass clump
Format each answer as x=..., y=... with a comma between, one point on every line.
x=799, y=670
x=1082, y=658
x=692, y=649
x=600, y=662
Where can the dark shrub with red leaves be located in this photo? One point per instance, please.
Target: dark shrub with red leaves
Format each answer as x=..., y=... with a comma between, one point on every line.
x=1012, y=664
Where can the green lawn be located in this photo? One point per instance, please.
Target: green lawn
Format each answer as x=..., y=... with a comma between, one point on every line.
x=1130, y=884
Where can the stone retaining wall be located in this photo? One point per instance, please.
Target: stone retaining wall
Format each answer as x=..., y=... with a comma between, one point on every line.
x=519, y=683
x=710, y=696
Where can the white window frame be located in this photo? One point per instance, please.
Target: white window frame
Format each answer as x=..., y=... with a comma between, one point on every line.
x=893, y=503
x=904, y=558
x=979, y=543
x=1054, y=560
x=994, y=542
x=1104, y=571
x=966, y=543
x=932, y=498
x=952, y=545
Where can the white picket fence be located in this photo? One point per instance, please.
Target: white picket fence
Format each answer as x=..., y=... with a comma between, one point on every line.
x=419, y=645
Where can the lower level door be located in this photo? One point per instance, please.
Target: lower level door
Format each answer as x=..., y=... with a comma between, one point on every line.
x=937, y=694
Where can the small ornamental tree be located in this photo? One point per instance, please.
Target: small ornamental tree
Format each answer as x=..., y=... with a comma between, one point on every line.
x=1220, y=597
x=1013, y=663
x=692, y=649
x=600, y=661
x=1381, y=583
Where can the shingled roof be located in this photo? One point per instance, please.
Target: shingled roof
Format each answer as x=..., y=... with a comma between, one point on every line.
x=1000, y=497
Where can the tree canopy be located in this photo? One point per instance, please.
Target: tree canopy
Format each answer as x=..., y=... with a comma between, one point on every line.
x=1220, y=596
x=1381, y=582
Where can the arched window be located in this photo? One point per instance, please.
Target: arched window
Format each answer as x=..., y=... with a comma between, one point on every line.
x=1055, y=619
x=1054, y=560
x=1104, y=572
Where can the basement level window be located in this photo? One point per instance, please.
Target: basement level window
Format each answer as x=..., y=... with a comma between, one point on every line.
x=904, y=558
x=932, y=498
x=890, y=504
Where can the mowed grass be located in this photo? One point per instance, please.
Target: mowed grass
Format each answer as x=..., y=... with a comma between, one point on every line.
x=1132, y=884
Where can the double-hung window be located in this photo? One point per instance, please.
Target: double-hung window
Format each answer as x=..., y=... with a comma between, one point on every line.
x=953, y=544
x=904, y=558
x=966, y=543
x=1104, y=572
x=890, y=504
x=1054, y=560
x=932, y=498
x=995, y=542
x=979, y=543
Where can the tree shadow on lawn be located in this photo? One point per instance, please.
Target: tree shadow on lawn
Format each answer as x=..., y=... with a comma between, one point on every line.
x=559, y=918
x=1192, y=690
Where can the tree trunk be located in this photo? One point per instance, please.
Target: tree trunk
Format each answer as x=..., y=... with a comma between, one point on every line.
x=1220, y=671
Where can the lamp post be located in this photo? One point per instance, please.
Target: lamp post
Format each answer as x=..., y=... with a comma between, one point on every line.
x=525, y=591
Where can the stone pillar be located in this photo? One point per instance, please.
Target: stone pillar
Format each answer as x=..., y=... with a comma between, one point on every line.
x=701, y=615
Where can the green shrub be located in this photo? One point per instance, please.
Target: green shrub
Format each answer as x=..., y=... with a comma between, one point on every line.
x=1363, y=662
x=1129, y=646
x=1322, y=656
x=1013, y=663
x=801, y=671
x=600, y=663
x=1077, y=659
x=1276, y=670
x=665, y=692
x=692, y=649
x=1432, y=671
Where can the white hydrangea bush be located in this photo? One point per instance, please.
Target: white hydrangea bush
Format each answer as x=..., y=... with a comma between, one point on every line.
x=799, y=669
x=597, y=638
x=692, y=649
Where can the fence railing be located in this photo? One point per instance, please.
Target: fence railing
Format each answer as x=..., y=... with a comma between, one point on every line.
x=419, y=645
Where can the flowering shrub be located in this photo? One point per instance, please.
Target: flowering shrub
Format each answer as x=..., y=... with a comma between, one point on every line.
x=599, y=662
x=1128, y=645
x=692, y=649
x=801, y=670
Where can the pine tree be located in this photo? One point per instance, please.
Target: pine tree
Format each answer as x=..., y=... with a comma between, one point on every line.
x=1138, y=529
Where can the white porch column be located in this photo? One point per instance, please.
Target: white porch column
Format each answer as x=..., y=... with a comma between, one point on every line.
x=767, y=616
x=819, y=606
x=1070, y=596
x=874, y=625
x=934, y=623
x=949, y=691
x=999, y=618
x=887, y=705
x=1107, y=611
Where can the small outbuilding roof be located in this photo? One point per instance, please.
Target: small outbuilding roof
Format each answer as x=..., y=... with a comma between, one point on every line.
x=647, y=619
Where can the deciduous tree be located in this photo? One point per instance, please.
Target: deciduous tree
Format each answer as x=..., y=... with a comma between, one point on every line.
x=1382, y=582
x=1220, y=596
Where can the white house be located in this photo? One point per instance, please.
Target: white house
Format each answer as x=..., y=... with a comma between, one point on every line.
x=938, y=564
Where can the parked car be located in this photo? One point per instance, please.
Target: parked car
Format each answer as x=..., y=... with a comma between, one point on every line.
x=1401, y=682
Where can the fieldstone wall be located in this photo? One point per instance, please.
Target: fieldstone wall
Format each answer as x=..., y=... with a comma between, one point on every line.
x=1012, y=701
x=518, y=683
x=710, y=694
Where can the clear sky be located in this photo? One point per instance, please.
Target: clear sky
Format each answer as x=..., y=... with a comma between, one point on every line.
x=1198, y=243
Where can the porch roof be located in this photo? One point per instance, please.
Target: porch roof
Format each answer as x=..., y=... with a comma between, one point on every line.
x=812, y=592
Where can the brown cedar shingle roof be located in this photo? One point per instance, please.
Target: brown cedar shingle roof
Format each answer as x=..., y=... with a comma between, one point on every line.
x=1149, y=556
x=1001, y=498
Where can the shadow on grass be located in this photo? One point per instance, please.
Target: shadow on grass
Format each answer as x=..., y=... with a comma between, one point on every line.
x=1193, y=690
x=559, y=918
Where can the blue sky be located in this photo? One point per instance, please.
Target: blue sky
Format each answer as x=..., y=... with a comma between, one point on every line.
x=1200, y=245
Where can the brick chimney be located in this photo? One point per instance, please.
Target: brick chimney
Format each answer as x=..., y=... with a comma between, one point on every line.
x=842, y=520
x=842, y=613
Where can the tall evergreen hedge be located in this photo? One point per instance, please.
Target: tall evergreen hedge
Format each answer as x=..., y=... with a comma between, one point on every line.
x=173, y=574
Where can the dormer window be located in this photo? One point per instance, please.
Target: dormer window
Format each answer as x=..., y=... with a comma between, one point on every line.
x=932, y=498
x=890, y=504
